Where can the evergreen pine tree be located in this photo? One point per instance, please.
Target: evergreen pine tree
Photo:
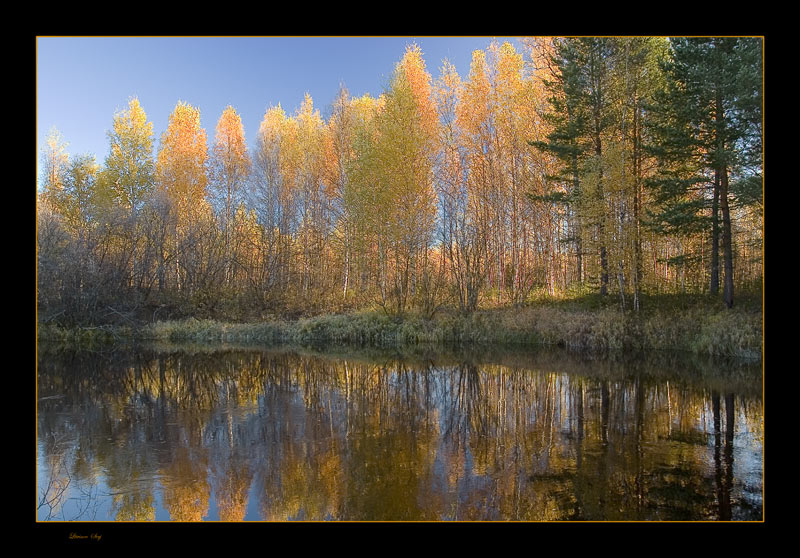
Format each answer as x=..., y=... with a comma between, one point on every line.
x=706, y=133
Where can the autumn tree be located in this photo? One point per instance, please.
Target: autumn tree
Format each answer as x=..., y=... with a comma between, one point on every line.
x=75, y=204
x=475, y=117
x=426, y=279
x=77, y=199
x=129, y=170
x=497, y=109
x=51, y=238
x=181, y=165
x=182, y=179
x=126, y=182
x=338, y=158
x=405, y=201
x=313, y=201
x=516, y=102
x=55, y=161
x=272, y=195
x=229, y=167
x=462, y=231
x=361, y=211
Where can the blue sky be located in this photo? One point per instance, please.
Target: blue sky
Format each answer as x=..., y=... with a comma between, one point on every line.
x=83, y=81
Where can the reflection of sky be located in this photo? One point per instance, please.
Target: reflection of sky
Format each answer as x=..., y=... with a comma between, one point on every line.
x=748, y=451
x=82, y=501
x=91, y=502
x=748, y=460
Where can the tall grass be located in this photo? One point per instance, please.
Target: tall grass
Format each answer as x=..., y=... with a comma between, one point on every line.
x=698, y=328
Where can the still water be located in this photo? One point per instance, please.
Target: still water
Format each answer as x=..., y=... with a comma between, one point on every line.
x=240, y=434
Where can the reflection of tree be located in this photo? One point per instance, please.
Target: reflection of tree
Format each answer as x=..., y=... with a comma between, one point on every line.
x=131, y=485
x=723, y=457
x=230, y=466
x=185, y=486
x=389, y=472
x=329, y=451
x=231, y=486
x=576, y=396
x=136, y=505
x=347, y=439
x=639, y=421
x=459, y=394
x=304, y=488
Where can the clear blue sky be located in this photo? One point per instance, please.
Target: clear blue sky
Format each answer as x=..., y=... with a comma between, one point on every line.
x=83, y=81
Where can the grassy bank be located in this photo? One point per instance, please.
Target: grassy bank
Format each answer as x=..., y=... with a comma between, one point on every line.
x=696, y=327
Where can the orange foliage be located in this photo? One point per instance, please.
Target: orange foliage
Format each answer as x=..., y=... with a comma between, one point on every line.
x=182, y=160
x=419, y=80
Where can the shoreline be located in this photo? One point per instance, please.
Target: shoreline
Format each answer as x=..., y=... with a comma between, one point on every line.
x=697, y=330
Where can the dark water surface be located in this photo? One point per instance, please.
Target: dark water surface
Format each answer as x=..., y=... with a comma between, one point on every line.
x=232, y=434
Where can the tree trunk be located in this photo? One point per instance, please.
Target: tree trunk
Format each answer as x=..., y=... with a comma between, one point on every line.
x=598, y=149
x=721, y=163
x=637, y=203
x=714, y=285
x=576, y=222
x=727, y=244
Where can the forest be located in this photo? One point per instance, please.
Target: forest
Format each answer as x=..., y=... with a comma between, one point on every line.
x=619, y=168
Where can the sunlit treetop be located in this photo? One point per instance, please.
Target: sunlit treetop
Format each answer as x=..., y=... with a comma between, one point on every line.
x=55, y=160
x=229, y=142
x=309, y=128
x=182, y=158
x=412, y=68
x=230, y=159
x=129, y=166
x=474, y=108
x=510, y=65
x=447, y=88
x=272, y=124
x=366, y=106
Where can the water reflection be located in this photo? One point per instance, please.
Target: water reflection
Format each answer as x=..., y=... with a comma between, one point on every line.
x=232, y=435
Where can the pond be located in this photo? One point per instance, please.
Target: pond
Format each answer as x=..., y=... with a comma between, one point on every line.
x=189, y=433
